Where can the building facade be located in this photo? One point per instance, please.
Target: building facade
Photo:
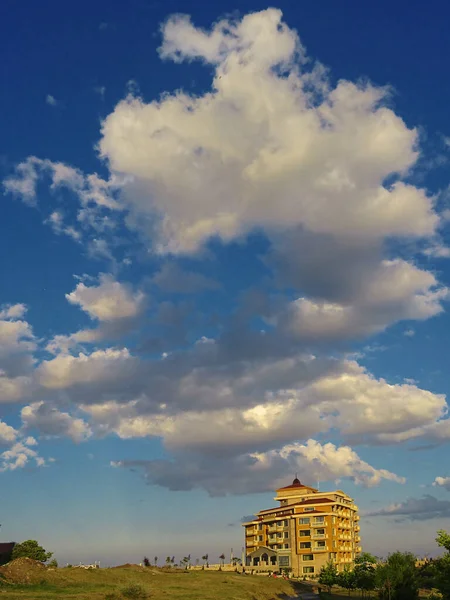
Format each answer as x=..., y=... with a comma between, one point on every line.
x=304, y=532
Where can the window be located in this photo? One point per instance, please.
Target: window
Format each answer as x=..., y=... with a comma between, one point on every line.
x=279, y=534
x=305, y=544
x=304, y=521
x=321, y=544
x=319, y=520
x=260, y=526
x=309, y=508
x=334, y=543
x=305, y=533
x=283, y=561
x=260, y=538
x=308, y=569
x=320, y=531
x=286, y=545
x=286, y=522
x=308, y=557
x=286, y=534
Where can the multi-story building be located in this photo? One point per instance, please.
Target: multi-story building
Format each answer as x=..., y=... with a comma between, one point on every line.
x=304, y=532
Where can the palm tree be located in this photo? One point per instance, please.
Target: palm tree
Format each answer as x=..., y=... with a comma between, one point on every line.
x=168, y=560
x=156, y=561
x=222, y=558
x=205, y=560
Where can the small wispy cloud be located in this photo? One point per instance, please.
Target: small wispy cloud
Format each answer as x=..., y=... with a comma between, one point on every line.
x=51, y=100
x=100, y=90
x=409, y=333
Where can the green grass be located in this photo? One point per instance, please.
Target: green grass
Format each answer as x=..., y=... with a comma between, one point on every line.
x=95, y=584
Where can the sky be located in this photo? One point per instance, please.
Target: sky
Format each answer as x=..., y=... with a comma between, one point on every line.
x=225, y=262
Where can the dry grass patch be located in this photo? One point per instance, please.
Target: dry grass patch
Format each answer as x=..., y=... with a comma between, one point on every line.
x=96, y=584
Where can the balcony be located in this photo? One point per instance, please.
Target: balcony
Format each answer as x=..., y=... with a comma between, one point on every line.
x=319, y=536
x=356, y=517
x=251, y=531
x=358, y=549
x=319, y=549
x=357, y=528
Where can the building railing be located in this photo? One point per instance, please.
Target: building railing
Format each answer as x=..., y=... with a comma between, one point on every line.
x=319, y=536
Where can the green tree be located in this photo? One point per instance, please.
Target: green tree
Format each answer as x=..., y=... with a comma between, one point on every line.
x=146, y=562
x=328, y=575
x=364, y=572
x=346, y=579
x=396, y=579
x=440, y=567
x=31, y=549
x=156, y=561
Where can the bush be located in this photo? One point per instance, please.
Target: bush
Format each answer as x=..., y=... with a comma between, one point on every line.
x=134, y=591
x=112, y=596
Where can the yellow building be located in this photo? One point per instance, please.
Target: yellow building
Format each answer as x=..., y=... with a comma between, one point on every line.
x=304, y=532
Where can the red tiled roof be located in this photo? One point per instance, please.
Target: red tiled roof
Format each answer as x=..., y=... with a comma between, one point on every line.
x=288, y=506
x=316, y=501
x=295, y=486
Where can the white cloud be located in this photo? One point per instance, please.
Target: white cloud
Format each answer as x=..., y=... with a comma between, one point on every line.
x=442, y=482
x=100, y=367
x=108, y=301
x=13, y=311
x=21, y=455
x=51, y=100
x=261, y=472
x=8, y=434
x=52, y=422
x=56, y=222
x=398, y=290
x=415, y=509
x=260, y=135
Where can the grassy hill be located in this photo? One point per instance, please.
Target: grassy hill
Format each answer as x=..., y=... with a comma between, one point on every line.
x=27, y=580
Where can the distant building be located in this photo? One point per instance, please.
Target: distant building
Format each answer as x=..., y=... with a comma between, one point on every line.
x=6, y=552
x=307, y=530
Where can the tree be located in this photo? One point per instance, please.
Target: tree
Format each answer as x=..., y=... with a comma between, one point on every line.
x=168, y=560
x=366, y=557
x=146, y=562
x=443, y=539
x=328, y=575
x=396, y=579
x=346, y=579
x=156, y=561
x=205, y=560
x=31, y=549
x=440, y=567
x=364, y=572
x=222, y=558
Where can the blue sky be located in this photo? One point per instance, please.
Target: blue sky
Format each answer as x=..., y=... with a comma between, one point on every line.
x=225, y=261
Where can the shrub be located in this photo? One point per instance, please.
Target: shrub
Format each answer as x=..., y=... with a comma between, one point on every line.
x=134, y=591
x=112, y=596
